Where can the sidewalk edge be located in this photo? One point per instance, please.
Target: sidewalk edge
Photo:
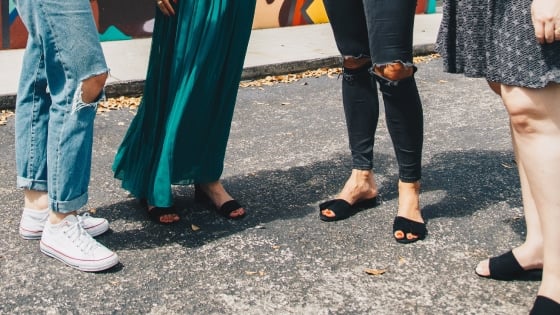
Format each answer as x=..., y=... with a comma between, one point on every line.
x=135, y=87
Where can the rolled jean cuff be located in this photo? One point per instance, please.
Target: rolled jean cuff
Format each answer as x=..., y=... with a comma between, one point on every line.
x=362, y=167
x=68, y=206
x=31, y=184
x=409, y=179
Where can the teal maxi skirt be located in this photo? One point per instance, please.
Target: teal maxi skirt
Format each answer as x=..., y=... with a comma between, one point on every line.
x=180, y=132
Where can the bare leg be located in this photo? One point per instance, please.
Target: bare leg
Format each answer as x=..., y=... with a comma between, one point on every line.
x=92, y=87
x=529, y=254
x=535, y=118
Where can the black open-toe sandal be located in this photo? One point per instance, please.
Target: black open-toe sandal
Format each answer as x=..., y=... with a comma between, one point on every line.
x=225, y=210
x=506, y=267
x=545, y=306
x=156, y=213
x=409, y=226
x=342, y=209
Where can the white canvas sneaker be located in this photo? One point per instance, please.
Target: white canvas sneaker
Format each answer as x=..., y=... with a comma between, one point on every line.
x=33, y=221
x=69, y=242
x=94, y=226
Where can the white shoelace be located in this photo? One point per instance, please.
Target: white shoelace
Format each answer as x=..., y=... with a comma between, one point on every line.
x=79, y=237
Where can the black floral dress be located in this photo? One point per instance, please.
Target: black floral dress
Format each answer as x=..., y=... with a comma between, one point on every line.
x=495, y=39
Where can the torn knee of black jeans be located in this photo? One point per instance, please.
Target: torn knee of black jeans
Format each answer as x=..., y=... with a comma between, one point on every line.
x=355, y=68
x=378, y=68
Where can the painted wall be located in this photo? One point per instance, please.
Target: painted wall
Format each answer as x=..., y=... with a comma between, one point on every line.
x=127, y=19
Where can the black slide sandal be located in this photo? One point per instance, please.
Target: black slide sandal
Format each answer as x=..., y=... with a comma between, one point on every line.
x=156, y=213
x=545, y=306
x=409, y=226
x=225, y=210
x=342, y=209
x=506, y=267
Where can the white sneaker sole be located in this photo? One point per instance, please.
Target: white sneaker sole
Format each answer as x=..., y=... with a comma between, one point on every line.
x=94, y=231
x=30, y=235
x=80, y=264
x=97, y=230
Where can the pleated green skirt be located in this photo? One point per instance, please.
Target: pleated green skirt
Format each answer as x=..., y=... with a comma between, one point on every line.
x=180, y=132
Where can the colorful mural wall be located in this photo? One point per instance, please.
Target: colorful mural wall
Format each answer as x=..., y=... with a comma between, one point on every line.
x=127, y=19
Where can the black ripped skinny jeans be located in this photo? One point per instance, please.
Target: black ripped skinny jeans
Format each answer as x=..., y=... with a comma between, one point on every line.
x=381, y=30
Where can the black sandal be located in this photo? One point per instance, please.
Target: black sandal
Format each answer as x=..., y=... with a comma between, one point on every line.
x=506, y=267
x=545, y=306
x=342, y=209
x=156, y=213
x=225, y=210
x=409, y=226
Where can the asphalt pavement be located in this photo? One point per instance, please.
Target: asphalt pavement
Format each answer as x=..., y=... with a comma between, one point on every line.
x=287, y=153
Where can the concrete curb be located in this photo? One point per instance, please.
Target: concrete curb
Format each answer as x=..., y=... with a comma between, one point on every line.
x=135, y=87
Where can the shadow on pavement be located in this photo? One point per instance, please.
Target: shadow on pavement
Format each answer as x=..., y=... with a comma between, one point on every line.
x=470, y=180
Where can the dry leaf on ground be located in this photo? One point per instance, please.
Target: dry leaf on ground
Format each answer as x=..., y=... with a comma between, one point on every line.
x=375, y=272
x=4, y=115
x=118, y=103
x=289, y=78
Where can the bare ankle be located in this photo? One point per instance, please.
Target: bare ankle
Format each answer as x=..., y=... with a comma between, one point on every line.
x=530, y=256
x=361, y=185
x=35, y=200
x=211, y=187
x=409, y=201
x=409, y=185
x=57, y=217
x=364, y=175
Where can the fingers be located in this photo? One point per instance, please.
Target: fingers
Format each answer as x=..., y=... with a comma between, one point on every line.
x=546, y=32
x=549, y=33
x=166, y=7
x=545, y=15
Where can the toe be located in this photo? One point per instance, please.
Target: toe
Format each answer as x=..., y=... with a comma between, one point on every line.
x=169, y=218
x=328, y=213
x=399, y=234
x=483, y=268
x=237, y=213
x=411, y=237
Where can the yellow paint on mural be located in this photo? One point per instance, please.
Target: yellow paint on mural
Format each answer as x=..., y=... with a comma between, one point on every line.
x=317, y=13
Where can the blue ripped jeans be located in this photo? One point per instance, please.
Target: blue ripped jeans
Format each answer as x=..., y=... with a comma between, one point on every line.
x=54, y=127
x=380, y=30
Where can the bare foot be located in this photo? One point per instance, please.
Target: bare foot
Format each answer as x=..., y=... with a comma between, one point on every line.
x=359, y=186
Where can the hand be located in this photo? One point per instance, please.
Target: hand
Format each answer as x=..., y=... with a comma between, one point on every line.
x=546, y=20
x=166, y=7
